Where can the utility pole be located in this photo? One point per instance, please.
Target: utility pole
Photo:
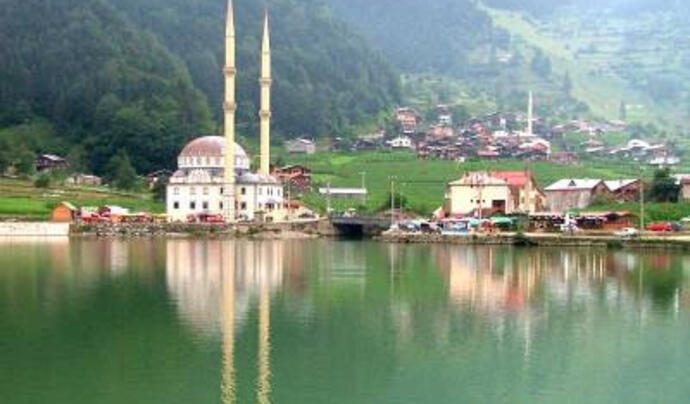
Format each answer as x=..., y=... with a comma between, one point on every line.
x=328, y=198
x=641, y=201
x=364, y=185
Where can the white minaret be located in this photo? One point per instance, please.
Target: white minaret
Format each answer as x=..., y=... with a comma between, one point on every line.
x=265, y=112
x=229, y=108
x=530, y=114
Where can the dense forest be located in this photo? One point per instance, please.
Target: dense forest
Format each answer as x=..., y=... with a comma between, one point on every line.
x=92, y=78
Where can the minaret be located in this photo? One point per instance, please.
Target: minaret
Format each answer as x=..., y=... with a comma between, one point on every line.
x=530, y=112
x=265, y=112
x=229, y=108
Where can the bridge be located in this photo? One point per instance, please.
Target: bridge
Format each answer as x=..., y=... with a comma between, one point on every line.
x=360, y=225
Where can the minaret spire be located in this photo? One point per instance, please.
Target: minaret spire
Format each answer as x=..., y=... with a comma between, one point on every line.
x=265, y=112
x=229, y=108
x=530, y=114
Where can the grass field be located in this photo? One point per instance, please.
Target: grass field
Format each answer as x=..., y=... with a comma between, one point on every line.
x=422, y=182
x=20, y=199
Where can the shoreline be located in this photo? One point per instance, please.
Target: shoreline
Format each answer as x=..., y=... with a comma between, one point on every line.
x=672, y=241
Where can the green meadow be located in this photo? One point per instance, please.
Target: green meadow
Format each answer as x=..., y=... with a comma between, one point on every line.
x=20, y=199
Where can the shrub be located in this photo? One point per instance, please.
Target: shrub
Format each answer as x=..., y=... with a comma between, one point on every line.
x=43, y=181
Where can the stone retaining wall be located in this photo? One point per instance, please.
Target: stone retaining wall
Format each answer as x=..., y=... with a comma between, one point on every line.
x=41, y=229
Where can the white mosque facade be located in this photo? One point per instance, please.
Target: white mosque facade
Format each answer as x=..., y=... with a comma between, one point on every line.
x=198, y=186
x=205, y=183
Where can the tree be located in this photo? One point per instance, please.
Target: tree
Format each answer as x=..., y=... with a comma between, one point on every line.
x=567, y=84
x=26, y=162
x=160, y=188
x=623, y=111
x=541, y=64
x=664, y=187
x=120, y=173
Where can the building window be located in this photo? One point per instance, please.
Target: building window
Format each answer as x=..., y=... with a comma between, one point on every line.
x=176, y=191
x=279, y=191
x=176, y=205
x=221, y=205
x=205, y=190
x=192, y=191
x=244, y=206
x=204, y=205
x=243, y=190
x=221, y=190
x=260, y=190
x=192, y=205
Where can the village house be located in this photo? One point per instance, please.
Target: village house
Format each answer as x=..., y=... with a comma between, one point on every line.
x=625, y=190
x=50, y=162
x=488, y=193
x=155, y=177
x=400, y=142
x=407, y=119
x=567, y=194
x=300, y=146
x=684, y=182
x=84, y=179
x=64, y=212
x=565, y=158
x=296, y=177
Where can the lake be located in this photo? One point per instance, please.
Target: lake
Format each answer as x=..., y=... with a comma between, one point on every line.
x=323, y=321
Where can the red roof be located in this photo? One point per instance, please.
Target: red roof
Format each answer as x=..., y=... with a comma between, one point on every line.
x=513, y=178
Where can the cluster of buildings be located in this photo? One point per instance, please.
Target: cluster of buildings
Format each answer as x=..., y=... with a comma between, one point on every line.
x=490, y=193
x=655, y=154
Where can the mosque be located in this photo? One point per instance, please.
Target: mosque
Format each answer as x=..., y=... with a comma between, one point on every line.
x=213, y=176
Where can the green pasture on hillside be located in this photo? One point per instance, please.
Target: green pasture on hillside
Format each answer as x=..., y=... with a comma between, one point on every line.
x=423, y=182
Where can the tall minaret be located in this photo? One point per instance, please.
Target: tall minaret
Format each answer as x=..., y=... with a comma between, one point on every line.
x=229, y=108
x=530, y=113
x=265, y=112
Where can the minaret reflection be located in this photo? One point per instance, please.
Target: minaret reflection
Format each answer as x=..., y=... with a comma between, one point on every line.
x=215, y=284
x=228, y=389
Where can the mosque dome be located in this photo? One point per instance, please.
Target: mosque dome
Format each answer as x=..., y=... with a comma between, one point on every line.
x=209, y=152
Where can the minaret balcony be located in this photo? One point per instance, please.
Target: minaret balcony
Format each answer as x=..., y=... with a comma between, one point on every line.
x=265, y=114
x=230, y=71
x=265, y=81
x=229, y=106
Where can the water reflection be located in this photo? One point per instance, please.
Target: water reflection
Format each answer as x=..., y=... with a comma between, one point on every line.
x=214, y=283
x=327, y=321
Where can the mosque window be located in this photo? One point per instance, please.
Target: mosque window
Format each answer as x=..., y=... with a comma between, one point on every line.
x=176, y=190
x=176, y=205
x=260, y=190
x=192, y=205
x=244, y=205
x=221, y=190
x=205, y=190
x=204, y=205
x=221, y=205
x=192, y=191
x=243, y=190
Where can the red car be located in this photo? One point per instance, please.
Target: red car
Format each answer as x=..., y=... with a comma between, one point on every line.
x=661, y=227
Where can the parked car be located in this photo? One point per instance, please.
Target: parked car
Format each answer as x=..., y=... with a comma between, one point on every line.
x=661, y=227
x=569, y=228
x=628, y=232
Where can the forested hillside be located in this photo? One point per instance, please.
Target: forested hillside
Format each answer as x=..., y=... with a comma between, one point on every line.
x=627, y=59
x=92, y=77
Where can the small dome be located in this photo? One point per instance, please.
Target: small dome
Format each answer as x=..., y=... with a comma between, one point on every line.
x=209, y=151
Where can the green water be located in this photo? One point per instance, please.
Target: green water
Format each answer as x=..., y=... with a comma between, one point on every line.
x=94, y=321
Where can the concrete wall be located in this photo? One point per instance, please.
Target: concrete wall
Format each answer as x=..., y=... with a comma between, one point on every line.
x=464, y=199
x=34, y=229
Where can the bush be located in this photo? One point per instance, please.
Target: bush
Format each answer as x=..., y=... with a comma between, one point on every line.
x=43, y=181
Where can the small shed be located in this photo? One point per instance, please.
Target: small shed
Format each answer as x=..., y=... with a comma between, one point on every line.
x=65, y=212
